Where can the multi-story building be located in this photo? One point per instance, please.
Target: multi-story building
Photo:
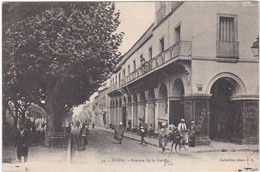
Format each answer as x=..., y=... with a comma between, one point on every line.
x=104, y=106
x=194, y=62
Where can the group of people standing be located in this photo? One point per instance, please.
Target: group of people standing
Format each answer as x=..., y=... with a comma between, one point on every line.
x=188, y=133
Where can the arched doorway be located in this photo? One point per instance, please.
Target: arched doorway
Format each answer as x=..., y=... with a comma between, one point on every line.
x=129, y=112
x=176, y=103
x=124, y=113
x=151, y=108
x=224, y=121
x=162, y=105
x=135, y=112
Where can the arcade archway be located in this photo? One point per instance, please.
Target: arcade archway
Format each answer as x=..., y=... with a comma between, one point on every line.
x=224, y=121
x=176, y=103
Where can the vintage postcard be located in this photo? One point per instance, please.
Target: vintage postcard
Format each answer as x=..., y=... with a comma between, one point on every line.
x=130, y=86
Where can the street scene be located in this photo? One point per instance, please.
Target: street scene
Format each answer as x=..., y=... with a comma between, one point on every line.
x=130, y=86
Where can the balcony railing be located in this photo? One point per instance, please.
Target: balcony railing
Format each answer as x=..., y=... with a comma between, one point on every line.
x=112, y=88
x=161, y=13
x=229, y=49
x=182, y=48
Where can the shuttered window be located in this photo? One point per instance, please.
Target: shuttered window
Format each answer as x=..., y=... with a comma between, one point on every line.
x=226, y=29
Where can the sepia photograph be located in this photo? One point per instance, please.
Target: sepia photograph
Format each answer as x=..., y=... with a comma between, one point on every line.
x=130, y=86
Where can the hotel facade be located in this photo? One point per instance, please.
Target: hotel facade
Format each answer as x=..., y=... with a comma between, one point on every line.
x=194, y=62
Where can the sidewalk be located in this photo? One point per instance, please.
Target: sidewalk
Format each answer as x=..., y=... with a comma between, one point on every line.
x=215, y=146
x=39, y=156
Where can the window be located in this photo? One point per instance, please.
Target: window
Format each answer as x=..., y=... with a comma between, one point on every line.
x=119, y=78
x=162, y=45
x=124, y=73
x=150, y=53
x=134, y=65
x=128, y=69
x=161, y=13
x=226, y=29
x=116, y=79
x=227, y=35
x=178, y=33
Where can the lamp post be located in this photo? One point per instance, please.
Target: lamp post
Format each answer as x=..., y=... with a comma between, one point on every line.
x=255, y=47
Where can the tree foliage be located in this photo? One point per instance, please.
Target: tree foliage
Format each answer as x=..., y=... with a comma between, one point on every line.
x=60, y=56
x=64, y=52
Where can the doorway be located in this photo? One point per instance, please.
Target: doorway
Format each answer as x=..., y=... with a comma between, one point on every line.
x=222, y=111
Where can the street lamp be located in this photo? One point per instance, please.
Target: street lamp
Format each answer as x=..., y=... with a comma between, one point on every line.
x=255, y=47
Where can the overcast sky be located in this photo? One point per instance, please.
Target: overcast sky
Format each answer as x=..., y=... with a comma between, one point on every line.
x=136, y=17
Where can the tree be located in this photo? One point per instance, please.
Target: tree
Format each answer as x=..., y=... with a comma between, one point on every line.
x=61, y=56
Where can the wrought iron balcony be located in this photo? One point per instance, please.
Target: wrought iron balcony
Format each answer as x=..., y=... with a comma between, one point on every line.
x=161, y=13
x=113, y=88
x=182, y=48
x=228, y=49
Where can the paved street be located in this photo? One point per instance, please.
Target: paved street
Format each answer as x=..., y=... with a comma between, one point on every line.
x=105, y=154
x=103, y=150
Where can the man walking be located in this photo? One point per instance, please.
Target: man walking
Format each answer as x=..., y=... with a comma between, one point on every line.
x=22, y=143
x=119, y=132
x=84, y=132
x=143, y=134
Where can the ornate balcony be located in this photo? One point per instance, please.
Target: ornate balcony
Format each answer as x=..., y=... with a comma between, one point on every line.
x=112, y=88
x=227, y=49
x=182, y=48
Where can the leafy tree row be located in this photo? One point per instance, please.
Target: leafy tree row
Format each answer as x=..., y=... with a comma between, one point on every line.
x=57, y=58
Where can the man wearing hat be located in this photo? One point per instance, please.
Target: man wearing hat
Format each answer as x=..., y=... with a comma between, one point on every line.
x=193, y=129
x=143, y=134
x=84, y=132
x=163, y=134
x=182, y=126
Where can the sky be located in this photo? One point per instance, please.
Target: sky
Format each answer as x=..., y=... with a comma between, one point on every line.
x=136, y=18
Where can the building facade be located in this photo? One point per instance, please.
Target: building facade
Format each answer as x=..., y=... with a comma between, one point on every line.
x=194, y=62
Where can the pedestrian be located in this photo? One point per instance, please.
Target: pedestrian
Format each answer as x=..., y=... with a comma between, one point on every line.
x=193, y=129
x=93, y=125
x=22, y=143
x=119, y=132
x=143, y=134
x=182, y=128
x=84, y=132
x=150, y=130
x=163, y=134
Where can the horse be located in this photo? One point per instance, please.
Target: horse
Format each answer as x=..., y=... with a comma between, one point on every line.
x=179, y=139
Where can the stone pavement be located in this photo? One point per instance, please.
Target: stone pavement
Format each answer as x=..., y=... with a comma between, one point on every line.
x=215, y=146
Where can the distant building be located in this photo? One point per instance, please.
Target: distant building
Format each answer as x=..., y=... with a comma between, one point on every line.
x=194, y=62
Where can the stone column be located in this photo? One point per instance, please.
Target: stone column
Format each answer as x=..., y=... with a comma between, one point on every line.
x=150, y=113
x=196, y=108
x=246, y=121
x=156, y=114
x=116, y=114
x=135, y=116
x=129, y=113
x=141, y=111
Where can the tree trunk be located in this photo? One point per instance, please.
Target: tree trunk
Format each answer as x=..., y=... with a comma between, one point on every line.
x=49, y=122
x=4, y=115
x=15, y=123
x=58, y=117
